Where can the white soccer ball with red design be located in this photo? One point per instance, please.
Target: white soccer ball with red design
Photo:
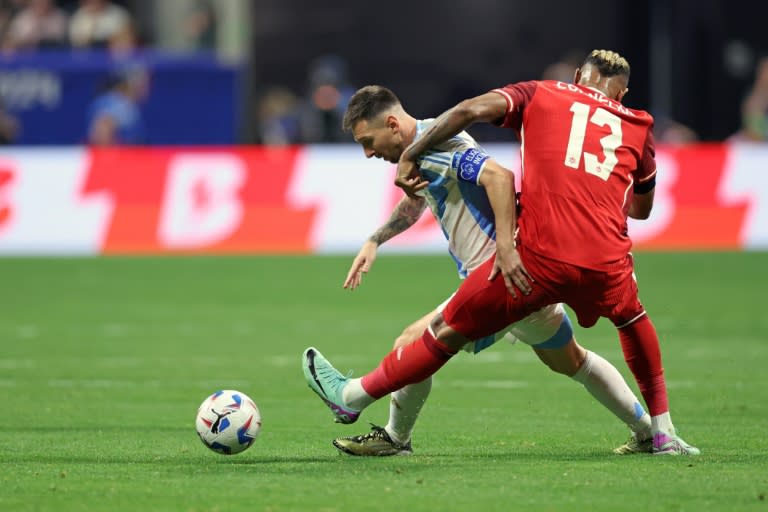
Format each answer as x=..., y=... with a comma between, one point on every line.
x=228, y=422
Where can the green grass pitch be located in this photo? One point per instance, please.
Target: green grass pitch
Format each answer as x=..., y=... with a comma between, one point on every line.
x=103, y=363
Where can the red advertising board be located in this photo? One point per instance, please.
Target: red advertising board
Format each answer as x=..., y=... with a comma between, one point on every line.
x=315, y=199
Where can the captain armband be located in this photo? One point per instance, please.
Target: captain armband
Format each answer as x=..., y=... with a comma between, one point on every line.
x=468, y=164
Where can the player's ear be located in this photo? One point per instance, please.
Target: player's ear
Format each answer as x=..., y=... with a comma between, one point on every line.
x=577, y=76
x=622, y=94
x=393, y=124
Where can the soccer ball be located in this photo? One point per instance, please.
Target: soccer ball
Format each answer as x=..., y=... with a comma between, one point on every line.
x=228, y=422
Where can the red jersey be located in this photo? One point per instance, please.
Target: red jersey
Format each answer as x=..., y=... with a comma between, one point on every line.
x=582, y=154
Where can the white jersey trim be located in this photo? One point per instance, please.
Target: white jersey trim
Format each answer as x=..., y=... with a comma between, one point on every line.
x=510, y=103
x=638, y=317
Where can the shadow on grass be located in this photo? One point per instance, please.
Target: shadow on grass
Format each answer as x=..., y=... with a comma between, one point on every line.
x=299, y=460
x=170, y=460
x=591, y=456
x=92, y=429
x=303, y=460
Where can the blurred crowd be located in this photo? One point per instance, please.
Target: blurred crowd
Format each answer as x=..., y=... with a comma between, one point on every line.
x=287, y=118
x=37, y=25
x=281, y=115
x=114, y=116
x=28, y=25
x=44, y=24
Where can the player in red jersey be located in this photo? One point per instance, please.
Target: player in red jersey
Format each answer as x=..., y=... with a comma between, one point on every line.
x=587, y=164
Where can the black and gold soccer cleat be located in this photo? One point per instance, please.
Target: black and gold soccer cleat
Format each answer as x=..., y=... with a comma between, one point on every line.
x=375, y=443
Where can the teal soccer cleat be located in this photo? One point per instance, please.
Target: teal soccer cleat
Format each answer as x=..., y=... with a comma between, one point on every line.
x=328, y=383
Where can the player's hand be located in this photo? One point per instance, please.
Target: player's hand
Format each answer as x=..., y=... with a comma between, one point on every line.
x=361, y=265
x=409, y=178
x=516, y=277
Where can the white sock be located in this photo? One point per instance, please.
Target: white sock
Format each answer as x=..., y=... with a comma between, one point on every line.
x=354, y=395
x=404, y=407
x=663, y=423
x=605, y=383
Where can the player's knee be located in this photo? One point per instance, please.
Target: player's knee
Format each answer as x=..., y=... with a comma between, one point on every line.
x=405, y=338
x=560, y=352
x=561, y=338
x=552, y=360
x=411, y=333
x=565, y=360
x=443, y=332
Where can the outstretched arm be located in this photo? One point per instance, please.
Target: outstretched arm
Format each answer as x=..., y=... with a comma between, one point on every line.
x=487, y=107
x=499, y=184
x=404, y=215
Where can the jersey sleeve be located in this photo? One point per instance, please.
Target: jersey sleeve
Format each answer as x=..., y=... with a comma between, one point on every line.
x=645, y=174
x=462, y=163
x=518, y=96
x=435, y=163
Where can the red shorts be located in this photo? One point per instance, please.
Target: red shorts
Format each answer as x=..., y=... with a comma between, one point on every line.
x=482, y=307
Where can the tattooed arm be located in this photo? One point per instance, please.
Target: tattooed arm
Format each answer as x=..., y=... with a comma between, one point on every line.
x=405, y=215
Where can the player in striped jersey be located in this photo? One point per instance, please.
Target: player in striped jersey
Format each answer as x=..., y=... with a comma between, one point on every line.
x=588, y=164
x=465, y=185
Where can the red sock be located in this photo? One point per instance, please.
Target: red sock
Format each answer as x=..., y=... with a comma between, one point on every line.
x=407, y=365
x=643, y=356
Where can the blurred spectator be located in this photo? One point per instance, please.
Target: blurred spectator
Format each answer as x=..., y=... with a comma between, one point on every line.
x=278, y=118
x=200, y=26
x=754, y=111
x=669, y=131
x=9, y=126
x=125, y=41
x=327, y=98
x=9, y=9
x=40, y=25
x=95, y=22
x=564, y=68
x=115, y=117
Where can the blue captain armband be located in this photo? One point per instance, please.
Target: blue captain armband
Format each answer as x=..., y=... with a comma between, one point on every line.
x=468, y=164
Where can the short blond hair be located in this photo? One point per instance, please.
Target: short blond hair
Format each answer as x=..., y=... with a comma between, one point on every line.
x=608, y=62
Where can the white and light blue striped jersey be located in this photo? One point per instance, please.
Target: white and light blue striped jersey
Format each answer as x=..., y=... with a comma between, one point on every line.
x=457, y=201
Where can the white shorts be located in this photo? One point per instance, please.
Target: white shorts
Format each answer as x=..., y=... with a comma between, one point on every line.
x=535, y=329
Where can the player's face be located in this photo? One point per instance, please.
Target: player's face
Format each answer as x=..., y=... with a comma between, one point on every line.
x=380, y=138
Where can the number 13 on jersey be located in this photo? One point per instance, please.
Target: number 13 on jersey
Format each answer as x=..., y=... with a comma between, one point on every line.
x=609, y=143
